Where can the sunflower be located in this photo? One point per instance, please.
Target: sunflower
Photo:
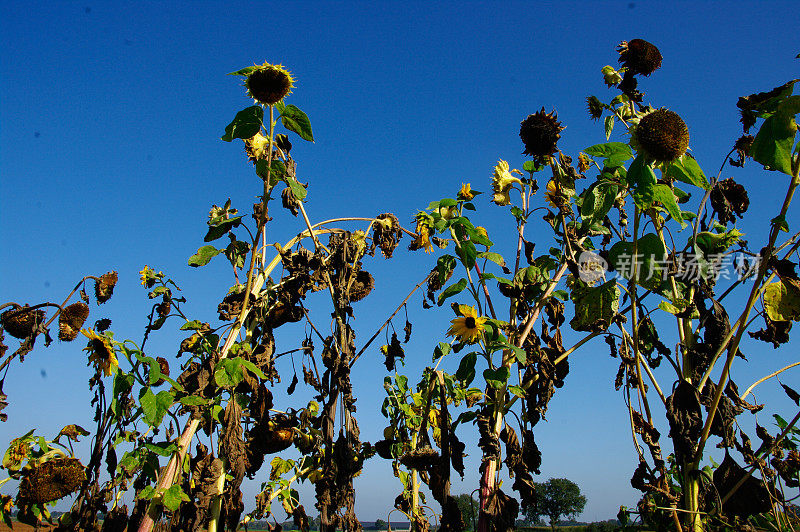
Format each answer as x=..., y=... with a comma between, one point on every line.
x=101, y=352
x=268, y=84
x=468, y=327
x=256, y=147
x=502, y=182
x=466, y=193
x=660, y=136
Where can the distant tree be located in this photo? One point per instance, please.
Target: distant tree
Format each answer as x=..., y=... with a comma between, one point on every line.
x=469, y=508
x=380, y=524
x=555, y=498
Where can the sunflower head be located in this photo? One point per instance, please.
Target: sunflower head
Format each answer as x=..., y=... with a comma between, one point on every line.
x=71, y=320
x=21, y=322
x=503, y=181
x=595, y=107
x=466, y=193
x=104, y=286
x=51, y=480
x=268, y=84
x=362, y=285
x=101, y=352
x=387, y=233
x=639, y=57
x=661, y=136
x=468, y=327
x=540, y=133
x=257, y=147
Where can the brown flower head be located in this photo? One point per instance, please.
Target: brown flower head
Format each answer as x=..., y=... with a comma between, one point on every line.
x=51, y=480
x=742, y=147
x=71, y=320
x=540, y=133
x=421, y=458
x=387, y=233
x=104, y=287
x=661, y=136
x=21, y=322
x=595, y=107
x=362, y=286
x=268, y=84
x=728, y=198
x=639, y=57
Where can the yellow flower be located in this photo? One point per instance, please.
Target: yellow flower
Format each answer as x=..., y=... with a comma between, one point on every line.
x=425, y=238
x=466, y=192
x=145, y=274
x=468, y=327
x=502, y=183
x=551, y=194
x=101, y=352
x=256, y=147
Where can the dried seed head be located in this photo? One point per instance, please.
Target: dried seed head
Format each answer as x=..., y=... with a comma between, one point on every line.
x=729, y=197
x=387, y=233
x=104, y=287
x=421, y=458
x=268, y=84
x=71, y=320
x=661, y=136
x=362, y=286
x=540, y=133
x=21, y=321
x=51, y=480
x=595, y=107
x=639, y=57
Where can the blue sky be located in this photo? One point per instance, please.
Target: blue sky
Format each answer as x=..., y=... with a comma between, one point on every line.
x=110, y=158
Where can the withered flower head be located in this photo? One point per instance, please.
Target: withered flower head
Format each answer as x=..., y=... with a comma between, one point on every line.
x=256, y=147
x=101, y=352
x=20, y=322
x=595, y=107
x=387, y=233
x=104, y=287
x=71, y=320
x=51, y=480
x=290, y=201
x=421, y=458
x=540, y=133
x=728, y=198
x=584, y=162
x=661, y=136
x=268, y=84
x=163, y=366
x=639, y=57
x=555, y=197
x=362, y=286
x=742, y=147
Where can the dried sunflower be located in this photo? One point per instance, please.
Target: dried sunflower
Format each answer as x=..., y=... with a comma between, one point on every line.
x=101, y=352
x=595, y=107
x=362, y=286
x=387, y=233
x=660, y=136
x=256, y=147
x=540, y=133
x=268, y=84
x=51, y=480
x=639, y=57
x=423, y=239
x=104, y=286
x=468, y=327
x=729, y=197
x=71, y=320
x=20, y=322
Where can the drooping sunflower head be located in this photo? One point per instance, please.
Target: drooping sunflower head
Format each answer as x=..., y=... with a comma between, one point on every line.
x=468, y=327
x=639, y=57
x=20, y=322
x=423, y=231
x=595, y=107
x=362, y=285
x=71, y=320
x=101, y=352
x=268, y=84
x=540, y=133
x=104, y=286
x=51, y=480
x=661, y=136
x=503, y=181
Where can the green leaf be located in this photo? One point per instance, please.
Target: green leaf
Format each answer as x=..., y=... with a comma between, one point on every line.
x=519, y=354
x=597, y=200
x=614, y=153
x=441, y=350
x=466, y=369
x=155, y=406
x=246, y=124
x=162, y=449
x=243, y=71
x=664, y=195
x=649, y=262
x=782, y=302
x=298, y=190
x=218, y=228
x=173, y=497
x=772, y=146
x=608, y=125
x=595, y=307
x=519, y=391
x=467, y=253
x=296, y=120
x=203, y=256
x=194, y=325
x=228, y=372
x=492, y=256
x=496, y=378
x=687, y=170
x=452, y=290
x=530, y=166
x=236, y=252
x=194, y=400
x=780, y=222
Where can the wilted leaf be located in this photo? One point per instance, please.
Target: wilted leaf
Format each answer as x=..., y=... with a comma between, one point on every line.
x=595, y=307
x=782, y=302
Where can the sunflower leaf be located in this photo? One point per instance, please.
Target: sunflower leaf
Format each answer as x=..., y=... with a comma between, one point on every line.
x=296, y=120
x=245, y=125
x=452, y=290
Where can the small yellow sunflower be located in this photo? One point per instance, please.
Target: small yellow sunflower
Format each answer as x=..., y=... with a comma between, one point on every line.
x=502, y=182
x=101, y=352
x=468, y=327
x=425, y=238
x=466, y=193
x=256, y=147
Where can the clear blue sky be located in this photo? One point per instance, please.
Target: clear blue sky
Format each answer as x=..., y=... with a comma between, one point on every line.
x=110, y=158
